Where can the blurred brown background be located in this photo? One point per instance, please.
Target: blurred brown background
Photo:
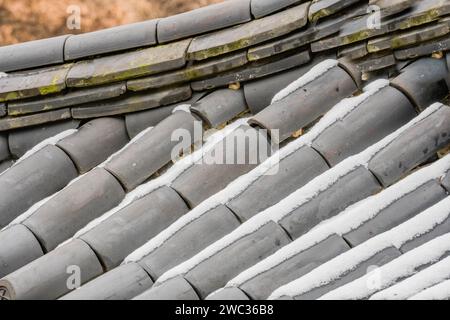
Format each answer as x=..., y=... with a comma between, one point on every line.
x=24, y=20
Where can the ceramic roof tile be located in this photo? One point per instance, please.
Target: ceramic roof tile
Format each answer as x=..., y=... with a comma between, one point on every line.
x=32, y=54
x=119, y=38
x=252, y=33
x=69, y=99
x=128, y=65
x=29, y=84
x=205, y=19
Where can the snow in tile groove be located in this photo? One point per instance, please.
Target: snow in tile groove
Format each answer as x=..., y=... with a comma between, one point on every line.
x=235, y=188
x=440, y=291
x=402, y=267
x=348, y=220
x=340, y=265
x=315, y=72
x=422, y=280
x=297, y=199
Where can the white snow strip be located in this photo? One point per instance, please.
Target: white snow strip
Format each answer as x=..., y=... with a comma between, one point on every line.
x=3, y=75
x=182, y=107
x=440, y=291
x=167, y=178
x=50, y=141
x=295, y=200
x=235, y=188
x=350, y=219
x=335, y=268
x=422, y=280
x=315, y=72
x=404, y=266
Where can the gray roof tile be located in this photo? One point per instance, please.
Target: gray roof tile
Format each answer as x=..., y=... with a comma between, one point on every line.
x=69, y=99
x=288, y=115
x=132, y=103
x=12, y=238
x=205, y=19
x=32, y=54
x=133, y=226
x=4, y=149
x=128, y=65
x=191, y=73
x=220, y=107
x=261, y=286
x=261, y=8
x=75, y=206
x=22, y=140
x=253, y=71
x=119, y=38
x=417, y=143
x=34, y=83
x=185, y=243
x=320, y=9
x=94, y=142
x=22, y=283
x=122, y=283
x=9, y=123
x=249, y=34
x=50, y=164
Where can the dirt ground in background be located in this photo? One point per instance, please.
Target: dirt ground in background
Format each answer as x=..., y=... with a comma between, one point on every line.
x=24, y=20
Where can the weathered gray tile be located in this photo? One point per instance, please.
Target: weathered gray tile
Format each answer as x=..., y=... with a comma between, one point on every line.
x=94, y=142
x=34, y=83
x=252, y=71
x=220, y=106
x=398, y=212
x=318, y=97
x=391, y=7
x=10, y=123
x=3, y=110
x=5, y=165
x=377, y=61
x=21, y=186
x=261, y=285
x=17, y=236
x=22, y=140
x=67, y=100
x=240, y=255
x=248, y=34
x=194, y=72
x=204, y=19
x=122, y=283
x=371, y=121
x=294, y=171
x=424, y=49
x=174, y=289
x=46, y=277
x=74, y=207
x=424, y=82
x=231, y=293
x=417, y=144
x=354, y=186
x=379, y=44
x=128, y=65
x=159, y=140
x=130, y=228
x=261, y=8
x=446, y=181
x=32, y=54
x=323, y=8
x=379, y=259
x=357, y=30
x=119, y=38
x=185, y=243
x=4, y=149
x=355, y=51
x=138, y=121
x=132, y=103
